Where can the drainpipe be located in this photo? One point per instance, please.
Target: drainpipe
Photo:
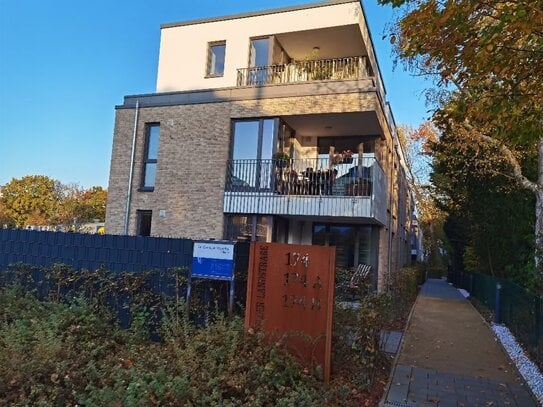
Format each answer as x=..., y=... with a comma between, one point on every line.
x=390, y=201
x=129, y=189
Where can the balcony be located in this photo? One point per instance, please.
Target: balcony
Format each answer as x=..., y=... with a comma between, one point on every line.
x=352, y=188
x=305, y=71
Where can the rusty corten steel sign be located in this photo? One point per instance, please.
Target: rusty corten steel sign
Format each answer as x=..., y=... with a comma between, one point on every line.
x=290, y=294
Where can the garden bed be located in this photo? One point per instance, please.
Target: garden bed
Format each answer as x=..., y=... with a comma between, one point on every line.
x=68, y=348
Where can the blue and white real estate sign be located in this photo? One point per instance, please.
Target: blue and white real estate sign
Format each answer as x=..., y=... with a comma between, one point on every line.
x=214, y=260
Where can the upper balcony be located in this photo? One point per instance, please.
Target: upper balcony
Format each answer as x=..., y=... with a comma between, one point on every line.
x=304, y=71
x=342, y=187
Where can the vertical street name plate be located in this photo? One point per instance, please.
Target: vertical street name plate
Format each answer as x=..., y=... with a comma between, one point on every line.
x=290, y=291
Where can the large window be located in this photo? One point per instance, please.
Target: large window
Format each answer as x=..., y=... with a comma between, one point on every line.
x=253, y=144
x=246, y=228
x=152, y=136
x=353, y=243
x=260, y=50
x=215, y=58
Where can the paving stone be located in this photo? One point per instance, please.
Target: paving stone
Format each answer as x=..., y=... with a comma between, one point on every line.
x=419, y=395
x=398, y=392
x=446, y=402
x=446, y=387
x=426, y=387
x=402, y=374
x=421, y=374
x=444, y=377
x=521, y=395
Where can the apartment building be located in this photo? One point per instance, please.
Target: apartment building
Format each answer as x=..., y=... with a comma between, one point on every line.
x=272, y=126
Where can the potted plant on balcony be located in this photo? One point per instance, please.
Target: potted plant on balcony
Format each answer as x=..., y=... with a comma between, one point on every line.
x=347, y=156
x=281, y=159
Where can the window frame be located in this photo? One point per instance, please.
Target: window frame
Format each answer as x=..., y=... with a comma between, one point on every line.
x=271, y=41
x=260, y=139
x=210, y=45
x=146, y=160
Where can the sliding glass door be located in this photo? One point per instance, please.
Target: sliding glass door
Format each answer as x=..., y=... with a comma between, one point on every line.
x=253, y=144
x=259, y=59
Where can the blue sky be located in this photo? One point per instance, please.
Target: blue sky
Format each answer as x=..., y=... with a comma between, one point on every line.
x=64, y=65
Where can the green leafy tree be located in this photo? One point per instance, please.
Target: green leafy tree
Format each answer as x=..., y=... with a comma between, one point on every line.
x=40, y=200
x=92, y=204
x=4, y=217
x=484, y=57
x=490, y=216
x=78, y=205
x=67, y=205
x=30, y=200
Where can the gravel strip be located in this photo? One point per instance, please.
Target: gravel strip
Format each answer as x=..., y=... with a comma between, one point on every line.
x=464, y=293
x=525, y=366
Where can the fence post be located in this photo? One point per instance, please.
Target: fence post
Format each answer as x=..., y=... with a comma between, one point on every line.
x=497, y=303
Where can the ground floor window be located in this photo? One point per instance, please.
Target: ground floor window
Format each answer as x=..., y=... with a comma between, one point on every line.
x=352, y=242
x=248, y=228
x=144, y=222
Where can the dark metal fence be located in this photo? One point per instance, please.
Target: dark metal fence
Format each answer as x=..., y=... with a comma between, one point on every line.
x=116, y=253
x=517, y=308
x=303, y=71
x=42, y=256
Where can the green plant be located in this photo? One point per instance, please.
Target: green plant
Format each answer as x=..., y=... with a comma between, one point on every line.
x=356, y=337
x=403, y=288
x=281, y=155
x=71, y=350
x=66, y=353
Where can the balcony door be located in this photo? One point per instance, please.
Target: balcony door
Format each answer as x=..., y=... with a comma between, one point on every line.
x=259, y=59
x=253, y=144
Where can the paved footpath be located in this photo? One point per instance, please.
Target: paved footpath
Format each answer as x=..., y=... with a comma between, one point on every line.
x=450, y=358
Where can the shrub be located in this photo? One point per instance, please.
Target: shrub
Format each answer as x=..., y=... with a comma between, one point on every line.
x=66, y=354
x=357, y=335
x=357, y=331
x=403, y=289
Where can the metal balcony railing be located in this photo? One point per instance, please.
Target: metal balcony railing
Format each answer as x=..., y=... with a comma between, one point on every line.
x=318, y=176
x=303, y=71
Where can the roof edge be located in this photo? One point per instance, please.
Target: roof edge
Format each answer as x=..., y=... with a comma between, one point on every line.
x=257, y=13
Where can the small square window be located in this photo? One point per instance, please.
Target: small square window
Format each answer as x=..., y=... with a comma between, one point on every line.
x=215, y=58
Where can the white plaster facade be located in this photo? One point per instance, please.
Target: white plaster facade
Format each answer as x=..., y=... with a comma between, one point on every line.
x=183, y=46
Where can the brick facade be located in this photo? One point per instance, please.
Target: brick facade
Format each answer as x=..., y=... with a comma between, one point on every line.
x=193, y=153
